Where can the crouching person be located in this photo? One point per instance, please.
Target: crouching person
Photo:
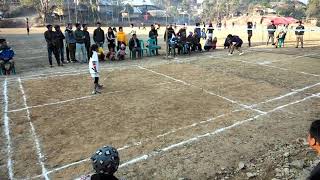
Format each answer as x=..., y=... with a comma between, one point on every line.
x=105, y=162
x=6, y=57
x=94, y=69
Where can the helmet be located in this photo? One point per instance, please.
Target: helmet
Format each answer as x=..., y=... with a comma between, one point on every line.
x=105, y=160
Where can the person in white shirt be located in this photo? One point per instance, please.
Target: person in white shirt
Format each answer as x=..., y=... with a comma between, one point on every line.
x=94, y=69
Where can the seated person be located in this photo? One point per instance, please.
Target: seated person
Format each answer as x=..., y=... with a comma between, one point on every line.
x=208, y=45
x=121, y=52
x=280, y=39
x=134, y=46
x=214, y=45
x=111, y=55
x=235, y=43
x=6, y=57
x=196, y=43
x=105, y=162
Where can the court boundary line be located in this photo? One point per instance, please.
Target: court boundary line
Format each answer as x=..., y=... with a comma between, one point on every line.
x=34, y=135
x=6, y=127
x=184, y=127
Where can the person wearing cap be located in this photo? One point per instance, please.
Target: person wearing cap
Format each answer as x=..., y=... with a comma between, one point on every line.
x=299, y=34
x=60, y=38
x=105, y=162
x=134, y=46
x=52, y=45
x=87, y=40
x=271, y=29
x=98, y=35
x=70, y=43
x=81, y=52
x=6, y=56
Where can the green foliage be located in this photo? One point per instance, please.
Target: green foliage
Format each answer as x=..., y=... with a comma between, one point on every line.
x=313, y=9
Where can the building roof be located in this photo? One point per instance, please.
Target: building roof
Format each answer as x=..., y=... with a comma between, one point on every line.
x=139, y=2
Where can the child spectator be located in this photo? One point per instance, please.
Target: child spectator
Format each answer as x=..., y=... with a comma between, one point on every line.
x=235, y=43
x=94, y=69
x=203, y=34
x=121, y=38
x=6, y=56
x=111, y=55
x=210, y=44
x=105, y=162
x=280, y=39
x=101, y=55
x=314, y=143
x=121, y=54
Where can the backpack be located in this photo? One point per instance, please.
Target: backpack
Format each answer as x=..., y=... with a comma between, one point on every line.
x=6, y=54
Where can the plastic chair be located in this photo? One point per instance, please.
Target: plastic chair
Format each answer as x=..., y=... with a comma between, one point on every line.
x=152, y=46
x=143, y=48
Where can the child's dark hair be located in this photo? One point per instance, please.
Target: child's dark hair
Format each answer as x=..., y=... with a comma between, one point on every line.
x=93, y=47
x=314, y=130
x=120, y=28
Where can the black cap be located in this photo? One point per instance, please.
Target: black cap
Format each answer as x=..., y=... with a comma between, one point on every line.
x=99, y=22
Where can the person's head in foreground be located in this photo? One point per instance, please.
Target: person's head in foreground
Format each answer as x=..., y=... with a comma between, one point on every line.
x=57, y=27
x=98, y=25
x=49, y=27
x=69, y=26
x=120, y=29
x=134, y=36
x=85, y=27
x=314, y=143
x=300, y=22
x=78, y=26
x=314, y=136
x=3, y=42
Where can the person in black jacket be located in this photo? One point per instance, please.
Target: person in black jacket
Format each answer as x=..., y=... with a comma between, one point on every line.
x=153, y=34
x=170, y=31
x=52, y=45
x=111, y=38
x=98, y=35
x=314, y=143
x=87, y=40
x=60, y=38
x=134, y=46
x=249, y=29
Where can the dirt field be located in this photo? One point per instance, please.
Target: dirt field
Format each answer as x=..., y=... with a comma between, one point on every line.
x=191, y=117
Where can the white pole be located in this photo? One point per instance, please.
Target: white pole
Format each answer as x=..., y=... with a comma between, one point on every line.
x=76, y=10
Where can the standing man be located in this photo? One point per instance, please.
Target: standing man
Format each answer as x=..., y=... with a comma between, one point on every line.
x=28, y=28
x=271, y=29
x=249, y=27
x=153, y=34
x=299, y=33
x=81, y=52
x=60, y=38
x=87, y=41
x=51, y=39
x=98, y=35
x=70, y=43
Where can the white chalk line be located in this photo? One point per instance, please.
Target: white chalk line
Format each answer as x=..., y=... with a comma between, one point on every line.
x=74, y=99
x=34, y=135
x=7, y=128
x=306, y=55
x=206, y=91
x=181, y=128
x=199, y=137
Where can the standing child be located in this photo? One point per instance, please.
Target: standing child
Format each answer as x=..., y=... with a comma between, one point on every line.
x=94, y=68
x=203, y=34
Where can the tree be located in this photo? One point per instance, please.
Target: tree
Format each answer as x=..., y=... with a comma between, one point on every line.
x=313, y=9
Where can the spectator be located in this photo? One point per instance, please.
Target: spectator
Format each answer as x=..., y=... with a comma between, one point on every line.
x=299, y=34
x=133, y=30
x=235, y=43
x=111, y=38
x=314, y=143
x=210, y=44
x=60, y=38
x=233, y=24
x=94, y=69
x=52, y=47
x=81, y=51
x=28, y=27
x=121, y=53
x=134, y=46
x=70, y=44
x=6, y=56
x=271, y=29
x=249, y=27
x=153, y=34
x=196, y=42
x=87, y=41
x=255, y=25
x=203, y=34
x=98, y=35
x=197, y=31
x=280, y=39
x=111, y=55
x=210, y=30
x=182, y=34
x=121, y=38
x=170, y=32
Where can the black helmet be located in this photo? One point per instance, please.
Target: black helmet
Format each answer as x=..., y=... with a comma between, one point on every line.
x=105, y=160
